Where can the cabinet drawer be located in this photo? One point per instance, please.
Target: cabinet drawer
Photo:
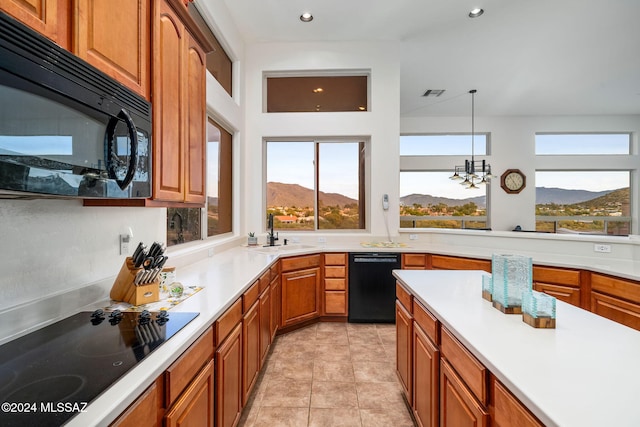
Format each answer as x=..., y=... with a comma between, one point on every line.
x=183, y=370
x=335, y=302
x=559, y=276
x=472, y=372
x=426, y=321
x=335, y=284
x=264, y=280
x=250, y=296
x=228, y=321
x=565, y=293
x=625, y=289
x=274, y=270
x=335, y=271
x=439, y=262
x=414, y=261
x=299, y=263
x=335, y=259
x=616, y=309
x=404, y=297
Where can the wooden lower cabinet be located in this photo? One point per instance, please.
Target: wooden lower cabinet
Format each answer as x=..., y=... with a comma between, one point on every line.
x=276, y=306
x=265, y=324
x=250, y=350
x=458, y=407
x=561, y=283
x=147, y=407
x=443, y=262
x=404, y=337
x=228, y=380
x=336, y=284
x=195, y=406
x=507, y=411
x=616, y=299
x=300, y=296
x=426, y=377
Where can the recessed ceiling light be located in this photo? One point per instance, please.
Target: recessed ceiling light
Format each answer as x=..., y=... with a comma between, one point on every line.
x=476, y=12
x=318, y=90
x=306, y=17
x=433, y=93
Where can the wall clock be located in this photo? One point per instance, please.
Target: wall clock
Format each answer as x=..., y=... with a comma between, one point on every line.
x=513, y=181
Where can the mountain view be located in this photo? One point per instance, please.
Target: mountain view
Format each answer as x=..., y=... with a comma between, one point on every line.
x=292, y=206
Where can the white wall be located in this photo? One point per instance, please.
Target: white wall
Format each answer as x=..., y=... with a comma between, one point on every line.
x=381, y=123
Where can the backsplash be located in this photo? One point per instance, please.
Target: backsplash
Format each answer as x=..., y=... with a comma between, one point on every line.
x=50, y=247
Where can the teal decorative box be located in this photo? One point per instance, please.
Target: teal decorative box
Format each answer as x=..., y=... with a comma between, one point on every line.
x=511, y=277
x=539, y=309
x=487, y=286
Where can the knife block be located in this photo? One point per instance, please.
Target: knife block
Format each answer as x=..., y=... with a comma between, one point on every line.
x=124, y=289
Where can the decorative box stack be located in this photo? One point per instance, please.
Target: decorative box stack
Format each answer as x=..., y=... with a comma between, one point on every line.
x=509, y=288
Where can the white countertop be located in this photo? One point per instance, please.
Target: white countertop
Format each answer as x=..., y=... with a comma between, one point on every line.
x=583, y=373
x=224, y=278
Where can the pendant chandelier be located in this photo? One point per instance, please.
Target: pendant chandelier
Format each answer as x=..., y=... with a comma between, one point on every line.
x=474, y=172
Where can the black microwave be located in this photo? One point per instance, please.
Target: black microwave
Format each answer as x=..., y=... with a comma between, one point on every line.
x=66, y=128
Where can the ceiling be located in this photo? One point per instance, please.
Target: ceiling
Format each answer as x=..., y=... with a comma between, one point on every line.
x=525, y=57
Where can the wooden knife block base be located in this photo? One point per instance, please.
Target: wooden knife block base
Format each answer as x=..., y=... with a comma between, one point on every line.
x=123, y=288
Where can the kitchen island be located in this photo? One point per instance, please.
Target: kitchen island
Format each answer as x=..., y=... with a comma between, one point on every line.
x=583, y=373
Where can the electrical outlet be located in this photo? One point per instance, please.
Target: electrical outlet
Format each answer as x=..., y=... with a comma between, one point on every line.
x=210, y=253
x=124, y=244
x=413, y=237
x=601, y=248
x=322, y=240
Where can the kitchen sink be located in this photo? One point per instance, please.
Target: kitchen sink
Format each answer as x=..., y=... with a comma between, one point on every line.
x=284, y=248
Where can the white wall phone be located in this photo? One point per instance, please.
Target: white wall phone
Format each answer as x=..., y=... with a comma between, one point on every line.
x=385, y=202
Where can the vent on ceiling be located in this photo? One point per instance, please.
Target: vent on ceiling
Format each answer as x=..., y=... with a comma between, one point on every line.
x=433, y=93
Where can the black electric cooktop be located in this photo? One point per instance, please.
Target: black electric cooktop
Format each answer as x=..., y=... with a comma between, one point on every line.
x=48, y=376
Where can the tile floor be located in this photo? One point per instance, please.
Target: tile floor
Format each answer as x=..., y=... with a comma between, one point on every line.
x=330, y=374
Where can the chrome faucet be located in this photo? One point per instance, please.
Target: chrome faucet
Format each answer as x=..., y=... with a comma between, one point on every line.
x=271, y=237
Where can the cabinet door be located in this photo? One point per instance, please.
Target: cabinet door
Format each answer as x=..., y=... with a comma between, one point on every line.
x=229, y=379
x=169, y=39
x=458, y=407
x=144, y=411
x=426, y=379
x=195, y=406
x=115, y=37
x=300, y=296
x=507, y=411
x=50, y=18
x=250, y=350
x=265, y=324
x=404, y=326
x=195, y=126
x=276, y=306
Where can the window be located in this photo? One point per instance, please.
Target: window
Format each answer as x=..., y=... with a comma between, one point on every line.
x=218, y=62
x=428, y=198
x=583, y=183
x=583, y=143
x=443, y=145
x=578, y=202
x=315, y=185
x=219, y=180
x=187, y=224
x=287, y=94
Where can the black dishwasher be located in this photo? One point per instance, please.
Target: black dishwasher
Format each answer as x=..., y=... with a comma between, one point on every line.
x=372, y=287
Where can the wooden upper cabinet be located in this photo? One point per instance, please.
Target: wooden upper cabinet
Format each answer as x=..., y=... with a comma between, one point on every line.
x=115, y=37
x=50, y=18
x=196, y=123
x=179, y=108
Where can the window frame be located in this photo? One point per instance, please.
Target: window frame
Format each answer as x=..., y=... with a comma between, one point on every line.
x=445, y=163
x=363, y=179
x=596, y=163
